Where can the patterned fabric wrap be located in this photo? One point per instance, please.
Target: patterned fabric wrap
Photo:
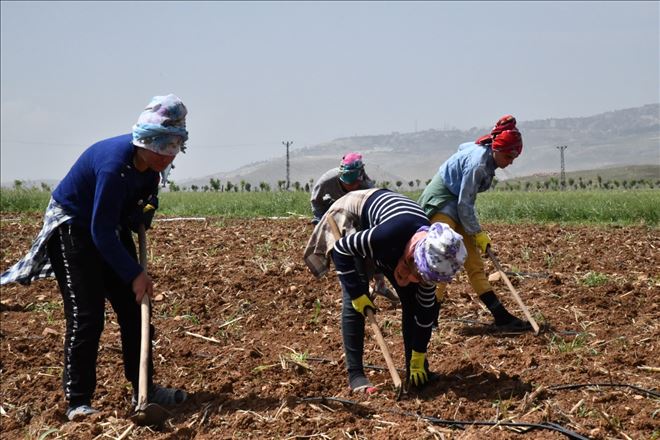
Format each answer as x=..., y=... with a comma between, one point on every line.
x=509, y=141
x=351, y=168
x=506, y=122
x=36, y=264
x=161, y=127
x=440, y=254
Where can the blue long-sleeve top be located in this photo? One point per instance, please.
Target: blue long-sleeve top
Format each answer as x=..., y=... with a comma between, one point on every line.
x=100, y=191
x=388, y=222
x=467, y=172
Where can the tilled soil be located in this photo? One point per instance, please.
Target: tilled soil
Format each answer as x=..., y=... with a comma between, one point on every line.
x=243, y=326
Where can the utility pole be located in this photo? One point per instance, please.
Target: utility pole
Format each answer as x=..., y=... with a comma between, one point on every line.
x=287, y=143
x=562, y=175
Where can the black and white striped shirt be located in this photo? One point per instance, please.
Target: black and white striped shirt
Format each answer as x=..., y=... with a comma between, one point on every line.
x=388, y=221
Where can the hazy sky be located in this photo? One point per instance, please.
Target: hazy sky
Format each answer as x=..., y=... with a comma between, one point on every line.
x=254, y=74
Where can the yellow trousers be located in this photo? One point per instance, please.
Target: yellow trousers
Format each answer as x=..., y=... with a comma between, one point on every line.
x=474, y=265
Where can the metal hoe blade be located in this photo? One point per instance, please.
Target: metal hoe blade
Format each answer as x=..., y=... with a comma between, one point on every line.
x=151, y=414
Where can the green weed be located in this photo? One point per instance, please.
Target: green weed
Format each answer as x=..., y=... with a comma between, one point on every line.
x=298, y=356
x=317, y=311
x=260, y=368
x=584, y=411
x=264, y=249
x=192, y=318
x=47, y=308
x=503, y=408
x=176, y=307
x=568, y=346
x=549, y=260
x=594, y=279
x=526, y=253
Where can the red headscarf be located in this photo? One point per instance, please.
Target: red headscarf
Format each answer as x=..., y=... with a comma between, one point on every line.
x=508, y=141
x=505, y=123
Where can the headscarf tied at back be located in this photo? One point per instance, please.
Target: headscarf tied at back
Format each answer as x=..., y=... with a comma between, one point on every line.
x=161, y=127
x=504, y=136
x=351, y=168
x=440, y=254
x=509, y=141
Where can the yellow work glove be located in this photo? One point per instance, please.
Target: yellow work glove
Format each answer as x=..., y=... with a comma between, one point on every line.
x=361, y=303
x=483, y=241
x=418, y=374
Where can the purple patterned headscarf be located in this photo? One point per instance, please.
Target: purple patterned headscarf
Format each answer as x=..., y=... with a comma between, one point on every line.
x=161, y=127
x=440, y=254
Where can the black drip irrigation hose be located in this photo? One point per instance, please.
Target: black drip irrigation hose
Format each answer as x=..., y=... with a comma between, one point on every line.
x=621, y=385
x=460, y=424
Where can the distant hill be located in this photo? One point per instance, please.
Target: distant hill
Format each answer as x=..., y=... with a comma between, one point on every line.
x=613, y=139
x=618, y=138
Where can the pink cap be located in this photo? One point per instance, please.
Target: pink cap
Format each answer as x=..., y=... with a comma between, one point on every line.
x=350, y=158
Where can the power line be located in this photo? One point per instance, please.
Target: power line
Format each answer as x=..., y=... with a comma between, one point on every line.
x=287, y=143
x=562, y=175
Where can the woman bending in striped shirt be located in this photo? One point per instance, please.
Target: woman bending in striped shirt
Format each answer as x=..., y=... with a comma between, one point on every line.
x=393, y=235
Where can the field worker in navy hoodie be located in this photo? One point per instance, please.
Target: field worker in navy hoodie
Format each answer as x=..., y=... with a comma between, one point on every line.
x=86, y=242
x=387, y=232
x=450, y=198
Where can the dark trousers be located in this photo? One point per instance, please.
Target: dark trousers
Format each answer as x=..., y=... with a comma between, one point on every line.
x=85, y=281
x=352, y=326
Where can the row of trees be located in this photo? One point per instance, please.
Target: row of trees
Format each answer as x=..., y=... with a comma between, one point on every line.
x=216, y=186
x=553, y=184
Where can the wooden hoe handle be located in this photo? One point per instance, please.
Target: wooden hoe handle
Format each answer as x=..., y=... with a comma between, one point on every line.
x=383, y=348
x=144, y=330
x=515, y=295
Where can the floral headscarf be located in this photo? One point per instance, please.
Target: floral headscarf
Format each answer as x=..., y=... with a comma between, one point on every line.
x=161, y=127
x=440, y=254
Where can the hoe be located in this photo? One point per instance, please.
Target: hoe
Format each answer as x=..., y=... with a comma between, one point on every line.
x=146, y=414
